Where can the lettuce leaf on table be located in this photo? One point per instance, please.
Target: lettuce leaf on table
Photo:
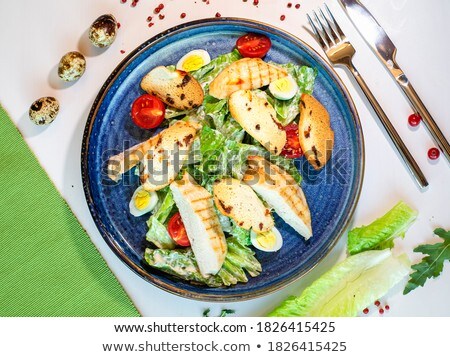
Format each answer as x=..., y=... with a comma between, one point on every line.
x=432, y=264
x=348, y=287
x=381, y=233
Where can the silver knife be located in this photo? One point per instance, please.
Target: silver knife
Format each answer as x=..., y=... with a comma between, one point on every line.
x=383, y=47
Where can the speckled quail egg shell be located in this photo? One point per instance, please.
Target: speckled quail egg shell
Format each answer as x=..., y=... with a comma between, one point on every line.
x=102, y=32
x=71, y=66
x=44, y=110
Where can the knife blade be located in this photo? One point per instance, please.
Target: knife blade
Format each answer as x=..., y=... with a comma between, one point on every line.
x=385, y=49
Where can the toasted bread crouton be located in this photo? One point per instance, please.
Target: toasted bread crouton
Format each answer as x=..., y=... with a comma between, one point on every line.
x=178, y=89
x=247, y=73
x=202, y=225
x=315, y=133
x=258, y=118
x=176, y=138
x=281, y=192
x=238, y=201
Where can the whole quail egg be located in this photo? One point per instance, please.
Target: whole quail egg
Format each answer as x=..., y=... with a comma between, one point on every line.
x=71, y=66
x=44, y=110
x=102, y=32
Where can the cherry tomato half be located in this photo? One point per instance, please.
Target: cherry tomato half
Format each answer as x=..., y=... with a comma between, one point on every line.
x=148, y=111
x=292, y=149
x=253, y=45
x=177, y=231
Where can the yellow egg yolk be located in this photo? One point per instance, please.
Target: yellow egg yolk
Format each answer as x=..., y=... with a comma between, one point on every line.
x=142, y=200
x=283, y=85
x=192, y=63
x=267, y=240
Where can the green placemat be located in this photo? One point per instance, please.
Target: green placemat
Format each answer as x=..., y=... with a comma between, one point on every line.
x=48, y=264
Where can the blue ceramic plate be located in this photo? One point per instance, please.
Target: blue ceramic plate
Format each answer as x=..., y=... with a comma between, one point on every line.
x=332, y=193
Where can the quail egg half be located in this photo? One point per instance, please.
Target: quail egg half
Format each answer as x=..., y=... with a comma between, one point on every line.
x=284, y=88
x=193, y=60
x=44, y=110
x=142, y=201
x=270, y=241
x=71, y=66
x=102, y=32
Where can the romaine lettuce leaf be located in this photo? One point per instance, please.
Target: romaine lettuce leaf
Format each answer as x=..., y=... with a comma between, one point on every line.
x=349, y=286
x=381, y=233
x=158, y=235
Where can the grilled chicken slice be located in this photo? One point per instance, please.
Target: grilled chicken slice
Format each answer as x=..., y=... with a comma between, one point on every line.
x=247, y=73
x=157, y=155
x=314, y=131
x=281, y=192
x=258, y=118
x=202, y=224
x=238, y=201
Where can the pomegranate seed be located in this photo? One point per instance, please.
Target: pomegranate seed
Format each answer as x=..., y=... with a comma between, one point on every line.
x=123, y=1
x=183, y=15
x=387, y=307
x=150, y=24
x=133, y=4
x=434, y=153
x=218, y=14
x=282, y=17
x=366, y=311
x=255, y=2
x=377, y=303
x=381, y=311
x=161, y=6
x=289, y=5
x=414, y=119
x=297, y=6
x=161, y=16
x=157, y=10
x=118, y=25
x=149, y=18
x=122, y=51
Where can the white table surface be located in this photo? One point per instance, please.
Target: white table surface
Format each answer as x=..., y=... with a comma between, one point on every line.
x=35, y=34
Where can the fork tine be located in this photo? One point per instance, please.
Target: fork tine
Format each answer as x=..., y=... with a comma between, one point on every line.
x=338, y=29
x=326, y=36
x=328, y=26
x=316, y=33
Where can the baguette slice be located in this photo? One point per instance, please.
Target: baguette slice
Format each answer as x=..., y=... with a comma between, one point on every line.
x=177, y=138
x=281, y=192
x=238, y=201
x=315, y=133
x=178, y=89
x=202, y=225
x=247, y=73
x=258, y=118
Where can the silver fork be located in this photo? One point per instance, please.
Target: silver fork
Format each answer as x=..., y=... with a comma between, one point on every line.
x=340, y=52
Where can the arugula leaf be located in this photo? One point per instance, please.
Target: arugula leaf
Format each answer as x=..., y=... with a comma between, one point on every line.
x=432, y=265
x=226, y=312
x=206, y=312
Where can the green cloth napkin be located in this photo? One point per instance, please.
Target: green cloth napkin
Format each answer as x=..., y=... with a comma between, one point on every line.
x=48, y=264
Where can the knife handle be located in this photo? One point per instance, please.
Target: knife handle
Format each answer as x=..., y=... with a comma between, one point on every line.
x=420, y=108
x=408, y=159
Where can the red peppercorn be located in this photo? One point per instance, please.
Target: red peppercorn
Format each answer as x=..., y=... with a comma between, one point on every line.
x=282, y=17
x=156, y=10
x=133, y=4
x=218, y=14
x=149, y=18
x=161, y=16
x=381, y=311
x=118, y=25
x=434, y=153
x=255, y=2
x=297, y=6
x=123, y=1
x=122, y=51
x=289, y=5
x=161, y=6
x=387, y=307
x=377, y=303
x=414, y=119
x=150, y=24
x=183, y=15
x=366, y=311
